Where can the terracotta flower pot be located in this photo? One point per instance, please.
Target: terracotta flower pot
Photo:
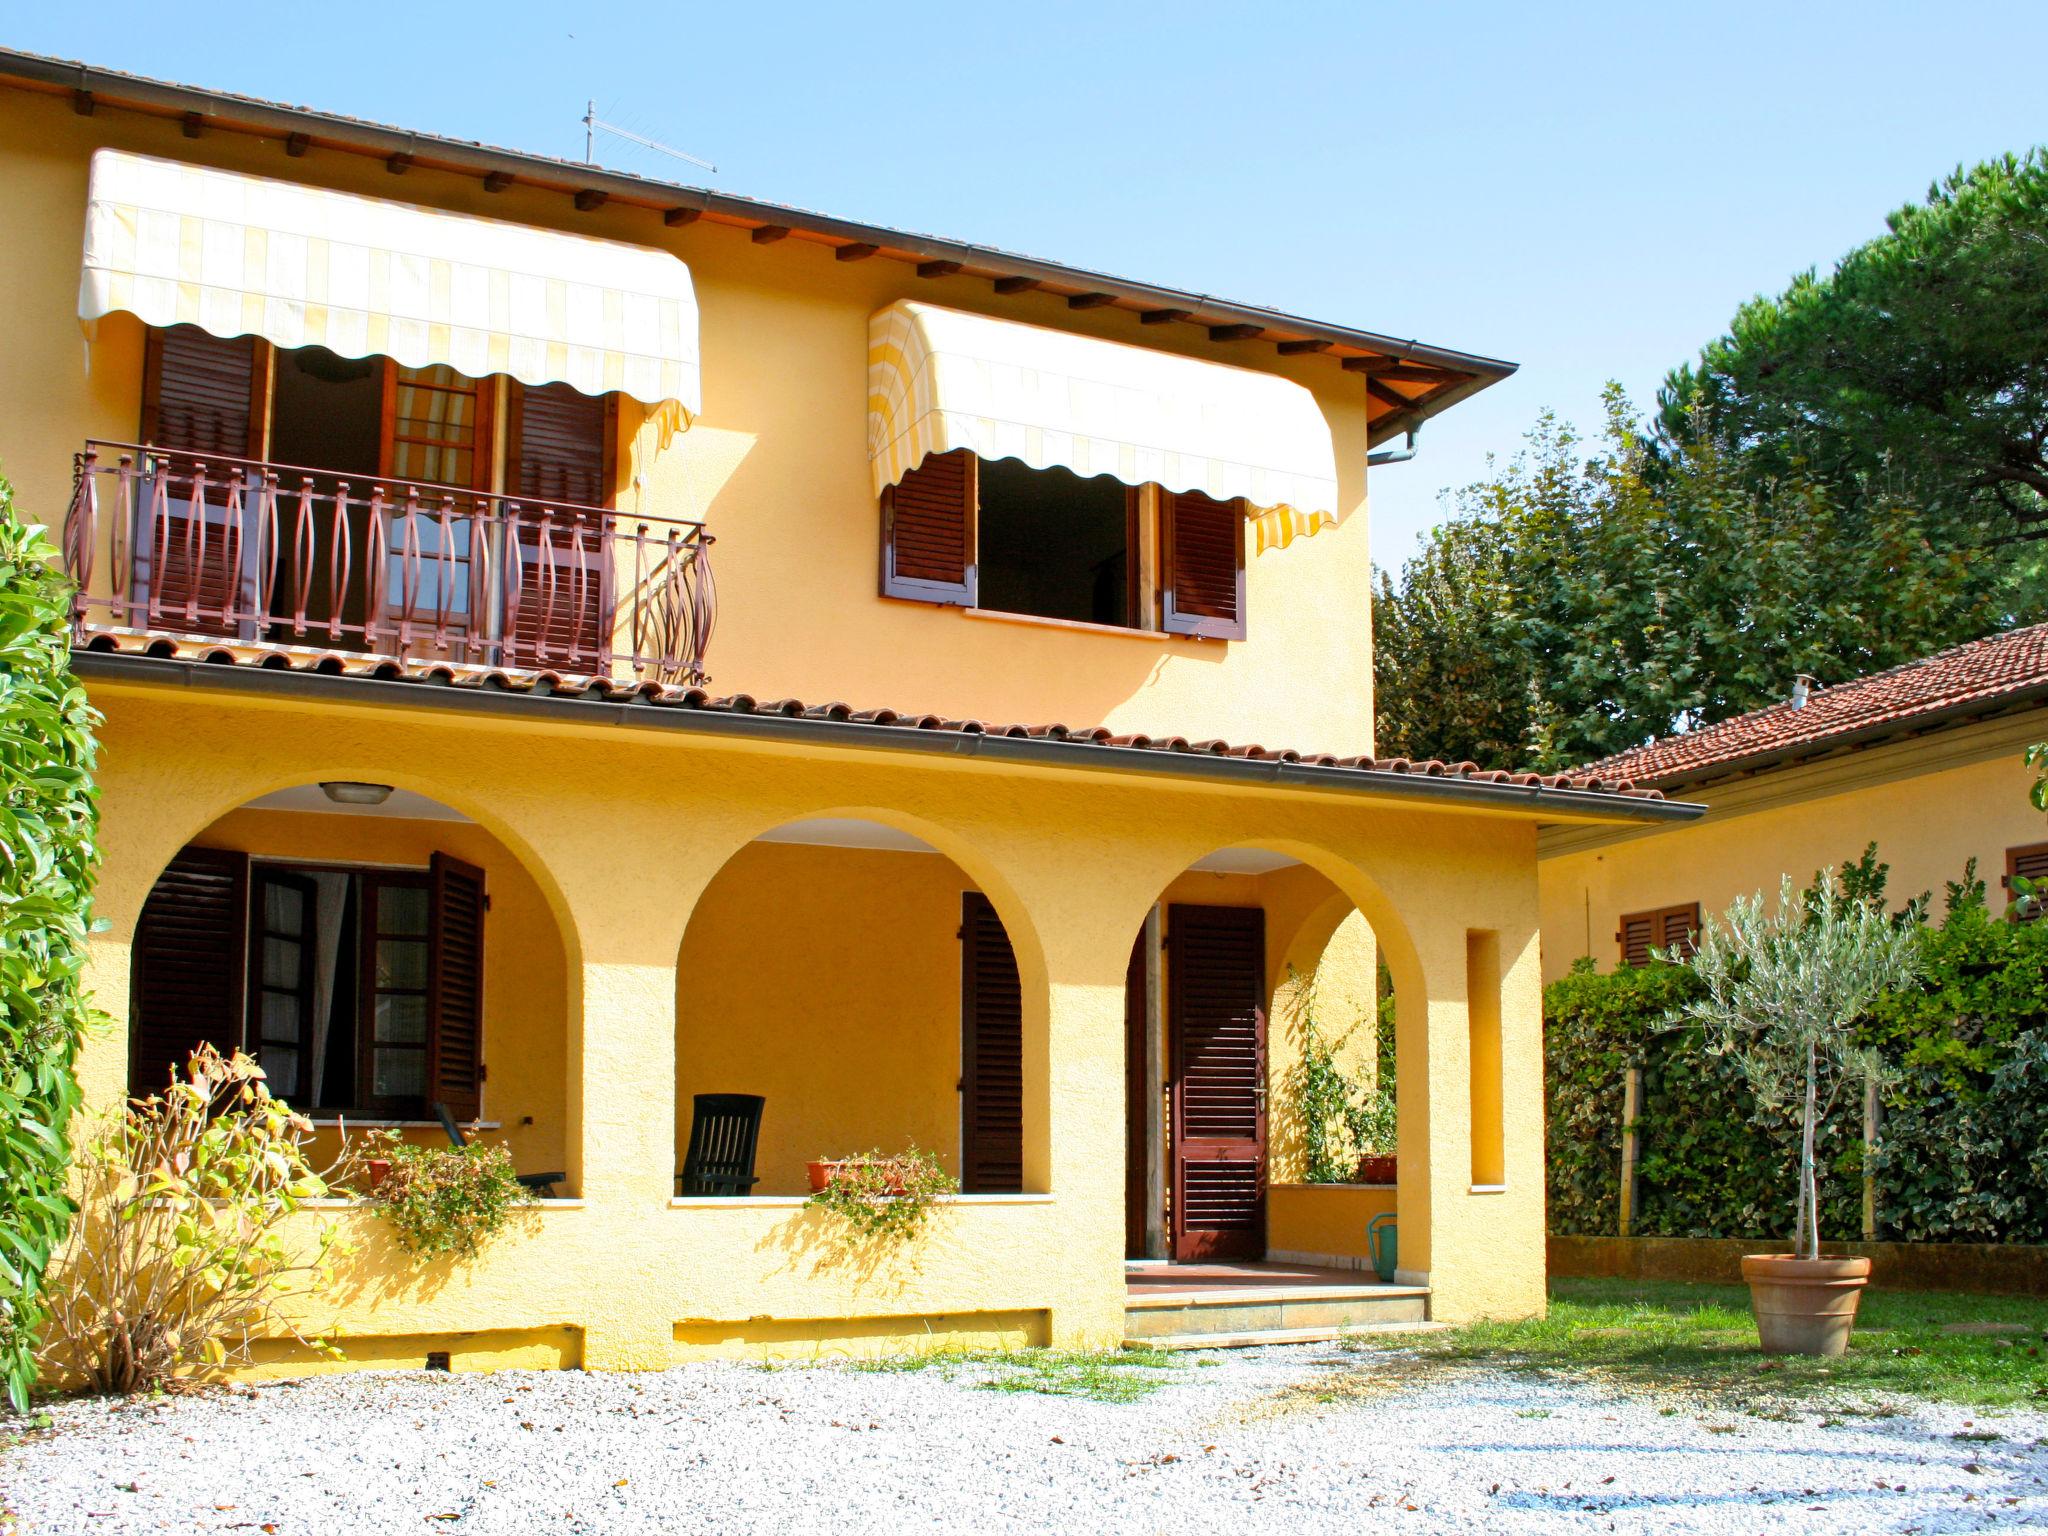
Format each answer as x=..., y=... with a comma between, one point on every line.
x=1804, y=1306
x=376, y=1170
x=1378, y=1170
x=822, y=1172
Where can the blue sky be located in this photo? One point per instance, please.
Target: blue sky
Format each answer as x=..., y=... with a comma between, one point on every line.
x=1589, y=190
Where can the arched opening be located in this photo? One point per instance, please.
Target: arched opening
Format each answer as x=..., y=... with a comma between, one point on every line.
x=846, y=987
x=1261, y=1072
x=383, y=957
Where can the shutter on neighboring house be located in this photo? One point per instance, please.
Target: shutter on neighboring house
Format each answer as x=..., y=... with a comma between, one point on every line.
x=191, y=975
x=1637, y=934
x=991, y=1054
x=560, y=452
x=1203, y=582
x=928, y=531
x=1680, y=928
x=2030, y=862
x=455, y=985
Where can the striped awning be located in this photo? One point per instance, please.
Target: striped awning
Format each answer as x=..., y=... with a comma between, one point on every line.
x=239, y=255
x=940, y=379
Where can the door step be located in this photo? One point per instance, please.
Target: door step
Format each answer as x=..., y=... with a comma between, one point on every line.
x=1259, y=1338
x=1218, y=1316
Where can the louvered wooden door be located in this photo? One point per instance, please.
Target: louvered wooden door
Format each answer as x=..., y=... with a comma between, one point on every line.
x=991, y=1054
x=560, y=611
x=189, y=969
x=202, y=401
x=1216, y=967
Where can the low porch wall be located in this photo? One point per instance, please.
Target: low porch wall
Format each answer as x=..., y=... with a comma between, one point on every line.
x=1996, y=1268
x=571, y=1283
x=1324, y=1223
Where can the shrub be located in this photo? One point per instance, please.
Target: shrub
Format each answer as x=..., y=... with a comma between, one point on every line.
x=1342, y=1117
x=176, y=1261
x=447, y=1200
x=49, y=819
x=885, y=1196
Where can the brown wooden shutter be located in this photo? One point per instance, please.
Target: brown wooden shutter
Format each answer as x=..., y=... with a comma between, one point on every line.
x=991, y=1054
x=1202, y=584
x=1216, y=970
x=455, y=985
x=1679, y=928
x=1668, y=928
x=201, y=393
x=2030, y=862
x=560, y=457
x=928, y=531
x=191, y=978
x=1637, y=933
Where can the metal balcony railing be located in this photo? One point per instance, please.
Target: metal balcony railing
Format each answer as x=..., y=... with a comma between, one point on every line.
x=190, y=544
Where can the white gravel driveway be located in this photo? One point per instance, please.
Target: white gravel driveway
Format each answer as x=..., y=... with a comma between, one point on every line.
x=1298, y=1440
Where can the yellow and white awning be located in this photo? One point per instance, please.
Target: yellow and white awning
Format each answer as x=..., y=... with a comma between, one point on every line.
x=940, y=379
x=299, y=266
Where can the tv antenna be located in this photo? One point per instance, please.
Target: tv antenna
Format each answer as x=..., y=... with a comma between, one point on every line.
x=592, y=123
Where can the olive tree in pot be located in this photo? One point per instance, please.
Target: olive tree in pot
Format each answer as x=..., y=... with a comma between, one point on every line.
x=1782, y=992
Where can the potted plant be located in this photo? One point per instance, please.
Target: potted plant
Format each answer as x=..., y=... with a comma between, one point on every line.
x=881, y=1195
x=1782, y=991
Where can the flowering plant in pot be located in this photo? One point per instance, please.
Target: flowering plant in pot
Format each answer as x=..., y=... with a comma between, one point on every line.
x=881, y=1195
x=1782, y=991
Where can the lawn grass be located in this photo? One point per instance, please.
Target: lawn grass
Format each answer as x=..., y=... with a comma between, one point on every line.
x=1700, y=1340
x=1100, y=1375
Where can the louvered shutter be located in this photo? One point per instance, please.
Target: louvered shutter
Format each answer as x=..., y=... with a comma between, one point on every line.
x=1638, y=932
x=991, y=1054
x=1203, y=584
x=560, y=456
x=455, y=985
x=1679, y=929
x=2031, y=863
x=928, y=531
x=191, y=976
x=201, y=400
x=1216, y=968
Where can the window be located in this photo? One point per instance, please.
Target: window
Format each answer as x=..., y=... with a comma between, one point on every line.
x=2027, y=863
x=1669, y=928
x=361, y=992
x=1003, y=536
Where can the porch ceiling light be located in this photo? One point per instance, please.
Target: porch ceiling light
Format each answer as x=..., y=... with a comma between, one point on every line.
x=352, y=792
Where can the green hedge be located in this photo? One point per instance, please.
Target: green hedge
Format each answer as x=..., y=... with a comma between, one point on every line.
x=48, y=823
x=1963, y=1151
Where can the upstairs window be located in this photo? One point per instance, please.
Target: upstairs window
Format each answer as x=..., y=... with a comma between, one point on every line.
x=1047, y=543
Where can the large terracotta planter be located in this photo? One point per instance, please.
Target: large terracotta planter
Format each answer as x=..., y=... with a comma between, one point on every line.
x=825, y=1170
x=1804, y=1306
x=1378, y=1170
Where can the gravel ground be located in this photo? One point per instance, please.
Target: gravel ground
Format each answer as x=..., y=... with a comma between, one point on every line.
x=1295, y=1440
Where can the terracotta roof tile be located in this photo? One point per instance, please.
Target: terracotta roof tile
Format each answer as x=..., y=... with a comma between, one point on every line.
x=1996, y=670
x=677, y=696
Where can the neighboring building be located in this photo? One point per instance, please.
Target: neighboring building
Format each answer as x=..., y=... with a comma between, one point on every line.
x=393, y=466
x=1925, y=760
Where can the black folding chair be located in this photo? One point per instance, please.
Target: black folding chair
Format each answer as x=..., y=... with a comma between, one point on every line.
x=724, y=1128
x=542, y=1184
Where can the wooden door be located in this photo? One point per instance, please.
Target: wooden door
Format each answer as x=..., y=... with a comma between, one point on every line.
x=1216, y=1012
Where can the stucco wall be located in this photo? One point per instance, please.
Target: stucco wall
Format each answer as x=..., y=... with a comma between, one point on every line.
x=777, y=463
x=1930, y=805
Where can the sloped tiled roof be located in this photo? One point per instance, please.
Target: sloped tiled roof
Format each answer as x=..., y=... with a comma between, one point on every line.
x=427, y=672
x=2000, y=669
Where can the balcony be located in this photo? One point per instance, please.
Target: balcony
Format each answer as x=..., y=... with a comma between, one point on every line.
x=264, y=554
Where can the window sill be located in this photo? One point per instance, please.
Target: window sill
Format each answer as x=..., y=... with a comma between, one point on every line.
x=1081, y=626
x=369, y=1124
x=346, y=1203
x=1487, y=1189
x=797, y=1202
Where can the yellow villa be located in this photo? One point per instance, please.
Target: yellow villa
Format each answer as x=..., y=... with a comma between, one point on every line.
x=1926, y=760
x=576, y=649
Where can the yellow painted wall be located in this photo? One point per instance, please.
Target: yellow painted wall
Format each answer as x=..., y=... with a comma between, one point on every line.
x=777, y=463
x=826, y=980
x=1325, y=1223
x=623, y=860
x=1930, y=805
x=525, y=976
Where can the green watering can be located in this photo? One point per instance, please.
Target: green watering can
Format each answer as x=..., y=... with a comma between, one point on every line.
x=1382, y=1240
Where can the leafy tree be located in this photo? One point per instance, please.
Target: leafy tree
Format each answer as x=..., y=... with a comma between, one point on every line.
x=1923, y=354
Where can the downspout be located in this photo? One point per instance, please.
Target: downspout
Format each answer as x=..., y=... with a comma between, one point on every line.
x=1395, y=455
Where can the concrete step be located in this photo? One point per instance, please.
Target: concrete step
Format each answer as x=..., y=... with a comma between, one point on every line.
x=1263, y=1314
x=1260, y=1337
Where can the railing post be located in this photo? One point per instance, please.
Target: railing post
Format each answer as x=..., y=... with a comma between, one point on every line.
x=82, y=530
x=1631, y=1109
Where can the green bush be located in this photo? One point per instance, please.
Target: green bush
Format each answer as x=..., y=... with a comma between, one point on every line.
x=49, y=820
x=446, y=1200
x=1962, y=1155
